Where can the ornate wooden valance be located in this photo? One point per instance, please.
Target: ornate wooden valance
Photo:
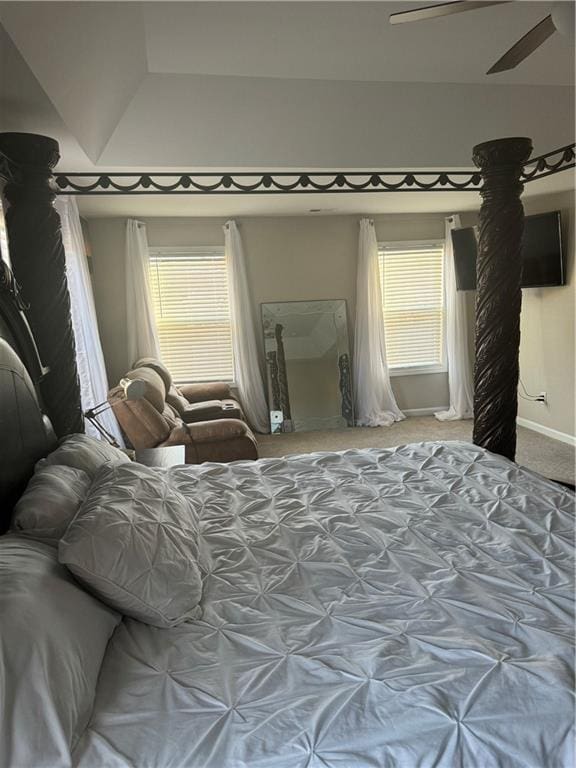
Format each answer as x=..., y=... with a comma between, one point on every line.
x=294, y=182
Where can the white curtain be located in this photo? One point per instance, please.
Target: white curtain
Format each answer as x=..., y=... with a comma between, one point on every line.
x=247, y=372
x=375, y=402
x=457, y=350
x=89, y=357
x=141, y=323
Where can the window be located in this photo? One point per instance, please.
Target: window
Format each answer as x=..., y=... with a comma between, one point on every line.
x=412, y=281
x=189, y=289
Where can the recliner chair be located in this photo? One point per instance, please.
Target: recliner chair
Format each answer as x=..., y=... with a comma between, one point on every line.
x=152, y=422
x=195, y=402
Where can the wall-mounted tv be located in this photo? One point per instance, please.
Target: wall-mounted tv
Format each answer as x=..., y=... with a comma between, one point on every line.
x=542, y=256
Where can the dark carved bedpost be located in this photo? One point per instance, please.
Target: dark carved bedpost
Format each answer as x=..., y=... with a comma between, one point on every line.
x=282, y=374
x=499, y=297
x=39, y=265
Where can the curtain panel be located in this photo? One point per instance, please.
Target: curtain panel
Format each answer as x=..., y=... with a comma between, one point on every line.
x=375, y=402
x=89, y=356
x=140, y=319
x=247, y=371
x=460, y=380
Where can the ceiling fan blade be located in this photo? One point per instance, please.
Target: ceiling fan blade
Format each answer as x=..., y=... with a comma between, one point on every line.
x=525, y=46
x=443, y=9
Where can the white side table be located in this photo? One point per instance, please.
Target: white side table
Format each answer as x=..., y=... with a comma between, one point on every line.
x=168, y=456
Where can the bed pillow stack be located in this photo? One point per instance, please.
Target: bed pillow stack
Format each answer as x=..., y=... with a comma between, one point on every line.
x=85, y=453
x=54, y=637
x=51, y=499
x=60, y=484
x=134, y=545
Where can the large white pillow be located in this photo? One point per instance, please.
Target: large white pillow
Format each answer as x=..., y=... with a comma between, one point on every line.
x=134, y=545
x=51, y=499
x=84, y=452
x=53, y=637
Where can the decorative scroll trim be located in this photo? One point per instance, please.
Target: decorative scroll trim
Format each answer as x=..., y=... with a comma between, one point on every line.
x=291, y=182
x=546, y=165
x=283, y=182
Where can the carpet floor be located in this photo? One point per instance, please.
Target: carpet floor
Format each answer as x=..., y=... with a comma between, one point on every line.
x=550, y=458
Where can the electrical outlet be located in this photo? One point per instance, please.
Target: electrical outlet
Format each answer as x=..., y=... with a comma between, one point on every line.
x=542, y=398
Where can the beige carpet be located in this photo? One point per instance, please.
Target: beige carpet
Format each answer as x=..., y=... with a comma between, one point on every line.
x=542, y=454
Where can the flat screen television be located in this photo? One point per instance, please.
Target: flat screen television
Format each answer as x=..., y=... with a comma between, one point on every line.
x=542, y=257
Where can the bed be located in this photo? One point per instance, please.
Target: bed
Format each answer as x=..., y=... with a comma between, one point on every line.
x=402, y=608
x=410, y=607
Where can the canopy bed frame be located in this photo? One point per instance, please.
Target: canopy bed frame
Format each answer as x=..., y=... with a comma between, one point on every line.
x=375, y=607
x=33, y=287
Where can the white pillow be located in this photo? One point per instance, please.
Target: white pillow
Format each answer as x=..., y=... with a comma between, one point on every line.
x=84, y=452
x=134, y=545
x=50, y=501
x=53, y=640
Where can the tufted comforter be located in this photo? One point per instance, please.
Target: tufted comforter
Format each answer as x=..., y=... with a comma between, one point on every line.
x=407, y=607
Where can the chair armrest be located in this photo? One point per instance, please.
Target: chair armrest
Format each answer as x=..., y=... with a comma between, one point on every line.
x=218, y=429
x=217, y=440
x=197, y=393
x=179, y=435
x=210, y=410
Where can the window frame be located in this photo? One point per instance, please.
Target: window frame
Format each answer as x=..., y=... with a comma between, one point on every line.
x=157, y=251
x=419, y=370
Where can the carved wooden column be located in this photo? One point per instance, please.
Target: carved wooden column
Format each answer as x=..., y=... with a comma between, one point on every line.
x=39, y=265
x=499, y=297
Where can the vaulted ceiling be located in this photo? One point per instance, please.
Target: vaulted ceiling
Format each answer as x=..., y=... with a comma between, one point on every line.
x=276, y=85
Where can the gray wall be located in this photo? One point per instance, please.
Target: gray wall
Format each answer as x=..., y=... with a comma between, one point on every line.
x=288, y=258
x=547, y=349
x=306, y=257
x=547, y=360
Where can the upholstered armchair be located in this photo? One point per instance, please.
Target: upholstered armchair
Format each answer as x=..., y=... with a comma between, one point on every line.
x=152, y=422
x=195, y=402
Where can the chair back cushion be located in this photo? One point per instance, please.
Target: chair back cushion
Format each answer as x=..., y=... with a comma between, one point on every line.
x=175, y=399
x=171, y=416
x=158, y=367
x=142, y=424
x=155, y=392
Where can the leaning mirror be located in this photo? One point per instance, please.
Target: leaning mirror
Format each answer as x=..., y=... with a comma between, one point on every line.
x=308, y=365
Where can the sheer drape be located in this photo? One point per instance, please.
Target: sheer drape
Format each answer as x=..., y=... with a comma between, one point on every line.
x=141, y=323
x=457, y=350
x=247, y=372
x=89, y=357
x=375, y=402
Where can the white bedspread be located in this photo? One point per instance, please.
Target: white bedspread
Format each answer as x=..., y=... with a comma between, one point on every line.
x=410, y=607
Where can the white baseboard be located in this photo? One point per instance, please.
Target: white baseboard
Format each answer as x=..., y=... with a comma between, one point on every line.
x=564, y=437
x=425, y=411
x=555, y=434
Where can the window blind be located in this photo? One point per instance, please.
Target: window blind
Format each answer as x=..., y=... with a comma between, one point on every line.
x=411, y=276
x=190, y=295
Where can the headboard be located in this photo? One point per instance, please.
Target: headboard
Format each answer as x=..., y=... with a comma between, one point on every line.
x=26, y=434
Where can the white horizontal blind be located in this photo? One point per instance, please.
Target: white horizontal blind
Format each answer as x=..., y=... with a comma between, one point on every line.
x=190, y=296
x=413, y=300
